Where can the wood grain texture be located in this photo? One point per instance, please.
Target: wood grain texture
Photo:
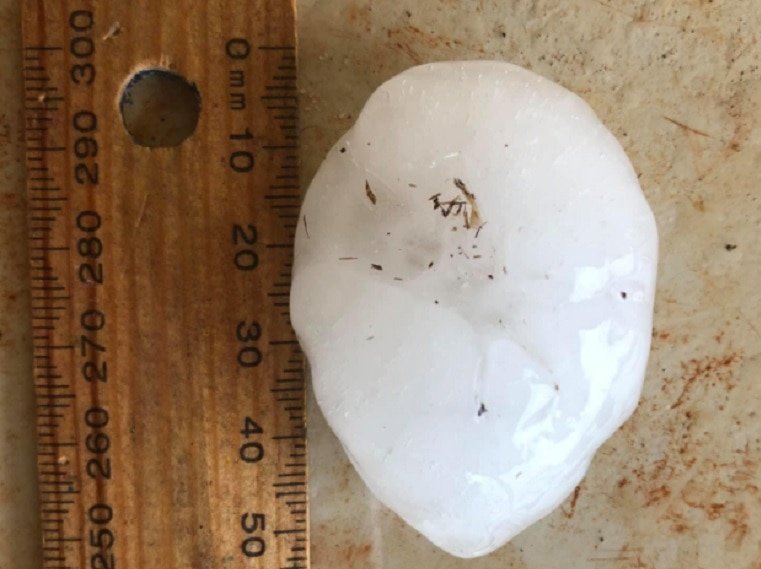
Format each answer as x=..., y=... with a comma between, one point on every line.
x=158, y=336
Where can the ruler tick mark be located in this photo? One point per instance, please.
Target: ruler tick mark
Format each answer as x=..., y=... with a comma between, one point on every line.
x=288, y=484
x=42, y=48
x=281, y=196
x=289, y=437
x=281, y=87
x=289, y=531
x=280, y=147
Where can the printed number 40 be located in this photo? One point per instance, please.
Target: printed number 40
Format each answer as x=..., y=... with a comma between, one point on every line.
x=251, y=452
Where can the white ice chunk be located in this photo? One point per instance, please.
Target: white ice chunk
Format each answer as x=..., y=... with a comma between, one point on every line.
x=473, y=286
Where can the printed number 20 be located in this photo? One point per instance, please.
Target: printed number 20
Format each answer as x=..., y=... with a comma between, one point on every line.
x=244, y=238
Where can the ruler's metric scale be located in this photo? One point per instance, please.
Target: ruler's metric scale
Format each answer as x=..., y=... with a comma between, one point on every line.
x=170, y=386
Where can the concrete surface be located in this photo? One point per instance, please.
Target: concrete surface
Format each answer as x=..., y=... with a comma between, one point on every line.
x=678, y=82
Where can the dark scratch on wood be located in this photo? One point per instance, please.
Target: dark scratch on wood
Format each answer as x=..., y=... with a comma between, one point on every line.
x=140, y=216
x=376, y=267
x=687, y=128
x=480, y=227
x=142, y=212
x=348, y=258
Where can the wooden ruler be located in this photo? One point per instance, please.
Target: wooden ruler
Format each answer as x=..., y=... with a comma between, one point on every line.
x=170, y=386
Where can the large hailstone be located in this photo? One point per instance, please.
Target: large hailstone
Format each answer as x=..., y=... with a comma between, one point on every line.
x=473, y=287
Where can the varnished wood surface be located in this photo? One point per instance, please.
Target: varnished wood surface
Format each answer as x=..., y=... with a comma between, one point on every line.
x=142, y=271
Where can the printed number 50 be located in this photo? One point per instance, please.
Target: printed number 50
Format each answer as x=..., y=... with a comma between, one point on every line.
x=252, y=546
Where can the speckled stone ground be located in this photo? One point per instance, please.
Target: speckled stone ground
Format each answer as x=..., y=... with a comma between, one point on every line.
x=678, y=82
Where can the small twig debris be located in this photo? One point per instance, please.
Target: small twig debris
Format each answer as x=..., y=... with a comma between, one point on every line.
x=474, y=219
x=369, y=192
x=306, y=227
x=457, y=206
x=687, y=128
x=447, y=208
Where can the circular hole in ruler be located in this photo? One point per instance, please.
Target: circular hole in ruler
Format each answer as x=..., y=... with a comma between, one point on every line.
x=159, y=108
